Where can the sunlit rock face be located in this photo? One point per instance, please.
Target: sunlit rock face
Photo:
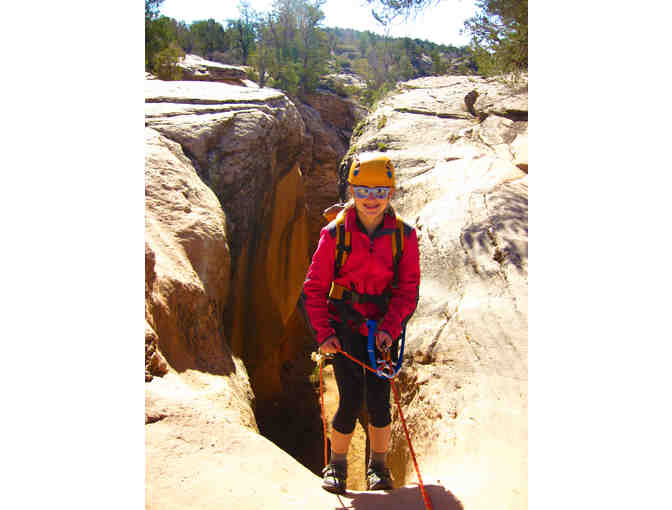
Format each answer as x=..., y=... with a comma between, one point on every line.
x=226, y=251
x=461, y=160
x=195, y=68
x=243, y=143
x=187, y=260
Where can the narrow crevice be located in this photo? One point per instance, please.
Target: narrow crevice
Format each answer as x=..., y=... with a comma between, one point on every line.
x=426, y=357
x=421, y=172
x=441, y=115
x=205, y=101
x=200, y=111
x=153, y=418
x=514, y=115
x=291, y=419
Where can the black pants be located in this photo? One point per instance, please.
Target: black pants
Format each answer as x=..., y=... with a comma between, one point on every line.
x=356, y=383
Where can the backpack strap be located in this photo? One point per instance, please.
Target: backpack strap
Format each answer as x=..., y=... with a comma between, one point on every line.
x=343, y=244
x=397, y=249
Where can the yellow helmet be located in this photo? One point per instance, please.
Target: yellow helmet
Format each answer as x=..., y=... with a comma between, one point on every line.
x=372, y=170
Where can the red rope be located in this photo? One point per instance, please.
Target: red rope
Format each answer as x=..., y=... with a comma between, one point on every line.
x=425, y=496
x=324, y=420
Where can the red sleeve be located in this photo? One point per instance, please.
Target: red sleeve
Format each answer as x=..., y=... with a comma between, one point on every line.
x=316, y=287
x=405, y=297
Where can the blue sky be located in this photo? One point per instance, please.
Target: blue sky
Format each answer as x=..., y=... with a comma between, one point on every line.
x=440, y=23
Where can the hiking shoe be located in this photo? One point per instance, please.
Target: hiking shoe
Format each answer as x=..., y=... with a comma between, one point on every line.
x=334, y=478
x=378, y=478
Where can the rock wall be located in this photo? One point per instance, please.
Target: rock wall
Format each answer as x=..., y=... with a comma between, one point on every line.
x=228, y=221
x=187, y=262
x=242, y=143
x=226, y=254
x=195, y=68
x=463, y=184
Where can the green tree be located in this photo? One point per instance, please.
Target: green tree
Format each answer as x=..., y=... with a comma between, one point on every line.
x=438, y=67
x=385, y=11
x=499, y=41
x=364, y=43
x=244, y=30
x=208, y=36
x=184, y=37
x=154, y=35
x=262, y=57
x=298, y=44
x=152, y=9
x=312, y=42
x=160, y=33
x=406, y=71
x=499, y=36
x=164, y=64
x=332, y=42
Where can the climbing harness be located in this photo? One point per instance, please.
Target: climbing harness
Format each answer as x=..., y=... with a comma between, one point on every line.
x=384, y=369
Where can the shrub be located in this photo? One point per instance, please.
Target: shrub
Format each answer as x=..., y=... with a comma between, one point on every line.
x=165, y=63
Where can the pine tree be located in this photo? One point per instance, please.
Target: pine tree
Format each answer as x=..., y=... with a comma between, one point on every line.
x=499, y=36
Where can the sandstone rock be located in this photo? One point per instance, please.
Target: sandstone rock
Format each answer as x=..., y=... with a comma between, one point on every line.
x=240, y=148
x=464, y=385
x=195, y=68
x=340, y=112
x=239, y=140
x=423, y=63
x=519, y=150
x=250, y=84
x=202, y=387
x=243, y=144
x=155, y=363
x=497, y=99
x=346, y=80
x=470, y=100
x=187, y=260
x=209, y=463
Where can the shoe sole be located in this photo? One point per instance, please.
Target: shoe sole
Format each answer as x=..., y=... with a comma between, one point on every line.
x=380, y=487
x=333, y=490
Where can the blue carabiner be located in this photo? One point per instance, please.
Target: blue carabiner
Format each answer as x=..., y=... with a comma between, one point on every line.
x=371, y=326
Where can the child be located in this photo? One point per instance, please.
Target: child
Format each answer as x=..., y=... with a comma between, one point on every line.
x=337, y=300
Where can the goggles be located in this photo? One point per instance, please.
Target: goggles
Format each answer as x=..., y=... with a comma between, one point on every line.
x=379, y=192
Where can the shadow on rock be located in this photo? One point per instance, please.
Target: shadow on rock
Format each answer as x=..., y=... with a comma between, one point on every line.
x=509, y=222
x=406, y=498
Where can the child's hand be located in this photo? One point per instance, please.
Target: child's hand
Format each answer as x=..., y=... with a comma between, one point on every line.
x=383, y=340
x=331, y=345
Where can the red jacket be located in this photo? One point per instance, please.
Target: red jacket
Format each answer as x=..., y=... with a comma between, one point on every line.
x=369, y=268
